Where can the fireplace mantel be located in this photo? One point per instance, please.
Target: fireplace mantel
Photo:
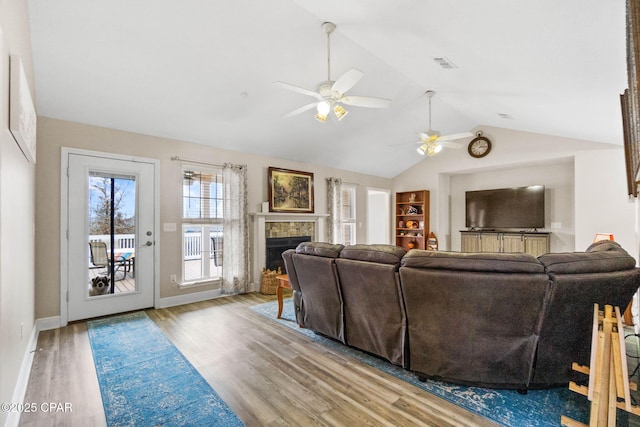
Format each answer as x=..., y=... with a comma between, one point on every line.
x=259, y=235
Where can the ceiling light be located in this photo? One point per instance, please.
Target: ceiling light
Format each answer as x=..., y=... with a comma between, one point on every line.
x=339, y=111
x=430, y=148
x=431, y=141
x=323, y=109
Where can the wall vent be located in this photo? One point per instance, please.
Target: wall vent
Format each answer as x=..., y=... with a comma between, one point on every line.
x=505, y=116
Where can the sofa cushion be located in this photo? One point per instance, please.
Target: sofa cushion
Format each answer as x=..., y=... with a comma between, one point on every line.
x=470, y=261
x=601, y=257
x=322, y=249
x=383, y=254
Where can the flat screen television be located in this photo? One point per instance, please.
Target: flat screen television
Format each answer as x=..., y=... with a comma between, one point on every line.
x=521, y=207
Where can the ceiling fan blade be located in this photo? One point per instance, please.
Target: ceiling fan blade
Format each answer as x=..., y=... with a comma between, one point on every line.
x=450, y=144
x=347, y=81
x=455, y=136
x=298, y=89
x=300, y=110
x=366, y=101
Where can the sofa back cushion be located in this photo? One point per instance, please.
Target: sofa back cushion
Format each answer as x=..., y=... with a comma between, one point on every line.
x=478, y=326
x=374, y=314
x=383, y=254
x=605, y=274
x=322, y=249
x=469, y=261
x=321, y=301
x=601, y=257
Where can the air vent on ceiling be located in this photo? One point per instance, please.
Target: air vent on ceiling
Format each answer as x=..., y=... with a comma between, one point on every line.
x=444, y=62
x=505, y=116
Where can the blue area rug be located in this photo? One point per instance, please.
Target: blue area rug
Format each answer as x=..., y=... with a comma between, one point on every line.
x=506, y=407
x=146, y=381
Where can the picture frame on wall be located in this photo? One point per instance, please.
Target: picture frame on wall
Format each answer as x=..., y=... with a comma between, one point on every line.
x=290, y=191
x=22, y=112
x=630, y=100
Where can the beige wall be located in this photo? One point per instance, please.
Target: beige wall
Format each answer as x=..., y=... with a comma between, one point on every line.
x=54, y=134
x=17, y=178
x=589, y=177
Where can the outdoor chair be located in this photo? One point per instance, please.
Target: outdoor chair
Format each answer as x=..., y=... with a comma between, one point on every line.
x=100, y=259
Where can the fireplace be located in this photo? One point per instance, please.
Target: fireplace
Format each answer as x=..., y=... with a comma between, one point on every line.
x=277, y=245
x=268, y=225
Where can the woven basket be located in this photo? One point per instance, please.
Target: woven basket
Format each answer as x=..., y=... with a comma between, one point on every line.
x=269, y=282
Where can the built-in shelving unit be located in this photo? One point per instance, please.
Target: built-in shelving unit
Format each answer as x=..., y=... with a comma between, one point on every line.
x=412, y=219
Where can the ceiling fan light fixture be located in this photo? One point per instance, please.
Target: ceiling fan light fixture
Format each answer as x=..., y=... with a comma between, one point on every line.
x=422, y=149
x=323, y=109
x=333, y=91
x=339, y=111
x=320, y=117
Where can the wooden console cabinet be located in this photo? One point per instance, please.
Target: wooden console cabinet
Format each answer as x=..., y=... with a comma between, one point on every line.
x=534, y=243
x=412, y=219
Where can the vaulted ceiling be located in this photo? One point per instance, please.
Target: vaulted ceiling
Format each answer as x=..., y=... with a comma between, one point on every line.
x=203, y=71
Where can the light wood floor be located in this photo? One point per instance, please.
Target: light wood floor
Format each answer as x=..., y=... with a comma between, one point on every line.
x=268, y=374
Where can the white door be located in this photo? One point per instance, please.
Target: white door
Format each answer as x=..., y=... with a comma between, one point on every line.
x=378, y=219
x=111, y=235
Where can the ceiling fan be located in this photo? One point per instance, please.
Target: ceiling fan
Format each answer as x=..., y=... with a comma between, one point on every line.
x=330, y=94
x=431, y=141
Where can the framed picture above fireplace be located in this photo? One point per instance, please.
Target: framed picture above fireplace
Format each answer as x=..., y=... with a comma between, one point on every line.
x=290, y=191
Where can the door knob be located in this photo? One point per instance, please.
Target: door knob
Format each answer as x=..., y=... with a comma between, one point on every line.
x=148, y=243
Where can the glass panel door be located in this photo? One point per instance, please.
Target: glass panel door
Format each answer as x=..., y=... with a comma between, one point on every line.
x=112, y=225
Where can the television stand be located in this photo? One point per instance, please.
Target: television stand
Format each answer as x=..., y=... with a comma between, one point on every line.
x=530, y=242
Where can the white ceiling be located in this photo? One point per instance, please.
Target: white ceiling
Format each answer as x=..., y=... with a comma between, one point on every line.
x=203, y=71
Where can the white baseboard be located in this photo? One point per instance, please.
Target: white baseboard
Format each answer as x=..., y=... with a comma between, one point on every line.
x=187, y=298
x=20, y=390
x=48, y=323
x=196, y=297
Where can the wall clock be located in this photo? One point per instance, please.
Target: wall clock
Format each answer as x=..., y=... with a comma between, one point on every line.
x=479, y=146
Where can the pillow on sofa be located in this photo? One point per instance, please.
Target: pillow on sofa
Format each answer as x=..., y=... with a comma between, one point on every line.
x=601, y=257
x=322, y=249
x=383, y=254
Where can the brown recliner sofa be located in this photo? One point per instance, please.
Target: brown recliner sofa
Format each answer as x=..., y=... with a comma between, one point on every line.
x=494, y=320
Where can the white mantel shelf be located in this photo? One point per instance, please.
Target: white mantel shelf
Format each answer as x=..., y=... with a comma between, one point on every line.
x=260, y=240
x=283, y=215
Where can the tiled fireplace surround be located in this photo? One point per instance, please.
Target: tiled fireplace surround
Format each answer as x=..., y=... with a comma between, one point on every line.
x=268, y=224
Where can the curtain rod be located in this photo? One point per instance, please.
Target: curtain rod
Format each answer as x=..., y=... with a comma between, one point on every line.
x=181, y=159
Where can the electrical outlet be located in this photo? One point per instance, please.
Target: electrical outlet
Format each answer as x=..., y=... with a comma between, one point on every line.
x=173, y=278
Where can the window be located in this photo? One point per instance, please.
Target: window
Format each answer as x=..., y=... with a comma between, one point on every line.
x=348, y=215
x=202, y=231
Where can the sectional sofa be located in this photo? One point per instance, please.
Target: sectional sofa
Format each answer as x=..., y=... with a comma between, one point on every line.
x=496, y=320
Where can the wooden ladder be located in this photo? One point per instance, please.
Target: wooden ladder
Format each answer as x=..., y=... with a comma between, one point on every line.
x=609, y=386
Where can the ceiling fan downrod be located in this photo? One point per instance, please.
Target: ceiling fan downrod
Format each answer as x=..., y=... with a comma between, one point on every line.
x=328, y=28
